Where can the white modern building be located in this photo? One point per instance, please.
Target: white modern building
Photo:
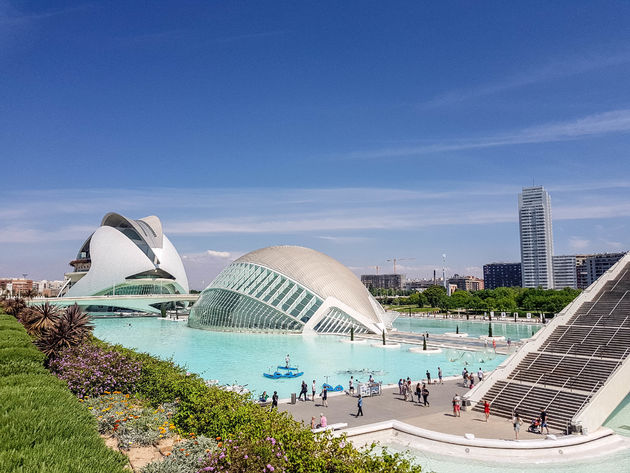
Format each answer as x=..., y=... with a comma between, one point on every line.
x=564, y=272
x=534, y=215
x=287, y=289
x=125, y=257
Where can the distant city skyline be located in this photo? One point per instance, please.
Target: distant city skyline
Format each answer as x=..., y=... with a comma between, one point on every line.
x=365, y=131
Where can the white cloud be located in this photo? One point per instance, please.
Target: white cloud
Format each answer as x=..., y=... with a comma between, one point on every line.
x=554, y=70
x=577, y=243
x=614, y=121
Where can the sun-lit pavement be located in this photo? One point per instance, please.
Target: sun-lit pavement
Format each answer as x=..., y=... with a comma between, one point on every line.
x=438, y=416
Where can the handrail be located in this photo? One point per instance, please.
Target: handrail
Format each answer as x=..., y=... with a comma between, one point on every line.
x=527, y=393
x=587, y=398
x=602, y=316
x=616, y=331
x=503, y=388
x=557, y=394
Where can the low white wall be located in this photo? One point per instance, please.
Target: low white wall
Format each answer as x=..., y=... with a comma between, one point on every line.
x=562, y=449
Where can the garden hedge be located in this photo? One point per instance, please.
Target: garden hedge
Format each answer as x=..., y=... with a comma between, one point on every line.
x=43, y=427
x=213, y=412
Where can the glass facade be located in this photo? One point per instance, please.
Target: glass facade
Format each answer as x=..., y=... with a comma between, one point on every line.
x=337, y=321
x=139, y=290
x=249, y=297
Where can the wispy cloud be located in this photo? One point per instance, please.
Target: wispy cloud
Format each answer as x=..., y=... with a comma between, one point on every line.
x=554, y=70
x=615, y=121
x=578, y=243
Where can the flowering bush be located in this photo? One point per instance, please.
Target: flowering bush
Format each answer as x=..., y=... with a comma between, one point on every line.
x=185, y=458
x=91, y=371
x=131, y=423
x=245, y=455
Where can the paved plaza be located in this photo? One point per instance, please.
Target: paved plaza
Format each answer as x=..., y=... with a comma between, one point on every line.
x=390, y=405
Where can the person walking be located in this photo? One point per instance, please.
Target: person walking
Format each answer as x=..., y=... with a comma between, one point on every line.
x=360, y=406
x=428, y=377
x=409, y=390
x=325, y=397
x=471, y=378
x=465, y=376
x=400, y=386
x=543, y=421
x=457, y=406
x=274, y=400
x=516, y=421
x=440, y=375
x=404, y=390
x=425, y=396
x=418, y=392
x=486, y=409
x=480, y=375
x=313, y=389
x=303, y=391
x=351, y=386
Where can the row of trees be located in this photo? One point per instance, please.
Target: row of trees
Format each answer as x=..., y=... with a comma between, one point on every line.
x=503, y=299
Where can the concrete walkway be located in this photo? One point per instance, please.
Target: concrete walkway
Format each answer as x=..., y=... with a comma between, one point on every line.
x=438, y=416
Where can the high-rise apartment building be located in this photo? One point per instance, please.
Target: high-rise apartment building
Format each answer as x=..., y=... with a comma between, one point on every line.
x=534, y=216
x=564, y=272
x=502, y=275
x=383, y=281
x=590, y=267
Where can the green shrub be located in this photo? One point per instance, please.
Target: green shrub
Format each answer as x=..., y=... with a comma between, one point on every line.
x=13, y=354
x=185, y=457
x=43, y=427
x=213, y=412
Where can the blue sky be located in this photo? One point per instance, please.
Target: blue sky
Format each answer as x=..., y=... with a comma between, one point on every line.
x=366, y=130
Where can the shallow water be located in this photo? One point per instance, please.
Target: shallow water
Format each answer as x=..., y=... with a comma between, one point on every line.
x=515, y=331
x=241, y=358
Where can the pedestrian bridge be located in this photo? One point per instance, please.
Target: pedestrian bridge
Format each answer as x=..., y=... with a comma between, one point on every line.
x=143, y=303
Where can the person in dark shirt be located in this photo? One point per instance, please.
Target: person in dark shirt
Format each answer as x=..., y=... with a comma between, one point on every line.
x=274, y=399
x=543, y=421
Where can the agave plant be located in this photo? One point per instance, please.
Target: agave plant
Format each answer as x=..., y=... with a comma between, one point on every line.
x=71, y=328
x=14, y=306
x=41, y=318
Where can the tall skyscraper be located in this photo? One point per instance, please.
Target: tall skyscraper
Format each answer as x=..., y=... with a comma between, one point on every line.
x=534, y=216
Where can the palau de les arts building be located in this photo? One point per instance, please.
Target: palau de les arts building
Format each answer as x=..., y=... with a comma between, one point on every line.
x=275, y=289
x=125, y=257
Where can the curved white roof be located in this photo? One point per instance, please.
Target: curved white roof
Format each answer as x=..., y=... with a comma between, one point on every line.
x=320, y=273
x=115, y=256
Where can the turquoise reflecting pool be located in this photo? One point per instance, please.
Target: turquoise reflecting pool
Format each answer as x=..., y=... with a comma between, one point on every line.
x=515, y=331
x=241, y=358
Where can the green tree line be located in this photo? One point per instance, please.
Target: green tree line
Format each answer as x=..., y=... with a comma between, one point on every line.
x=502, y=299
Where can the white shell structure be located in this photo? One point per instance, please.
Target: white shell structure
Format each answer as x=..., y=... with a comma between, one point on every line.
x=288, y=289
x=125, y=257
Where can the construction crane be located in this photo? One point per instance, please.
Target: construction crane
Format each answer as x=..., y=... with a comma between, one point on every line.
x=395, y=260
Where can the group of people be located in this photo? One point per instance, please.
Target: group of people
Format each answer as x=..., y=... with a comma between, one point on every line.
x=274, y=398
x=406, y=390
x=469, y=378
x=304, y=391
x=536, y=426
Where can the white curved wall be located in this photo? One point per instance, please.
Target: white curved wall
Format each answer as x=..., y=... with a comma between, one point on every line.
x=115, y=257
